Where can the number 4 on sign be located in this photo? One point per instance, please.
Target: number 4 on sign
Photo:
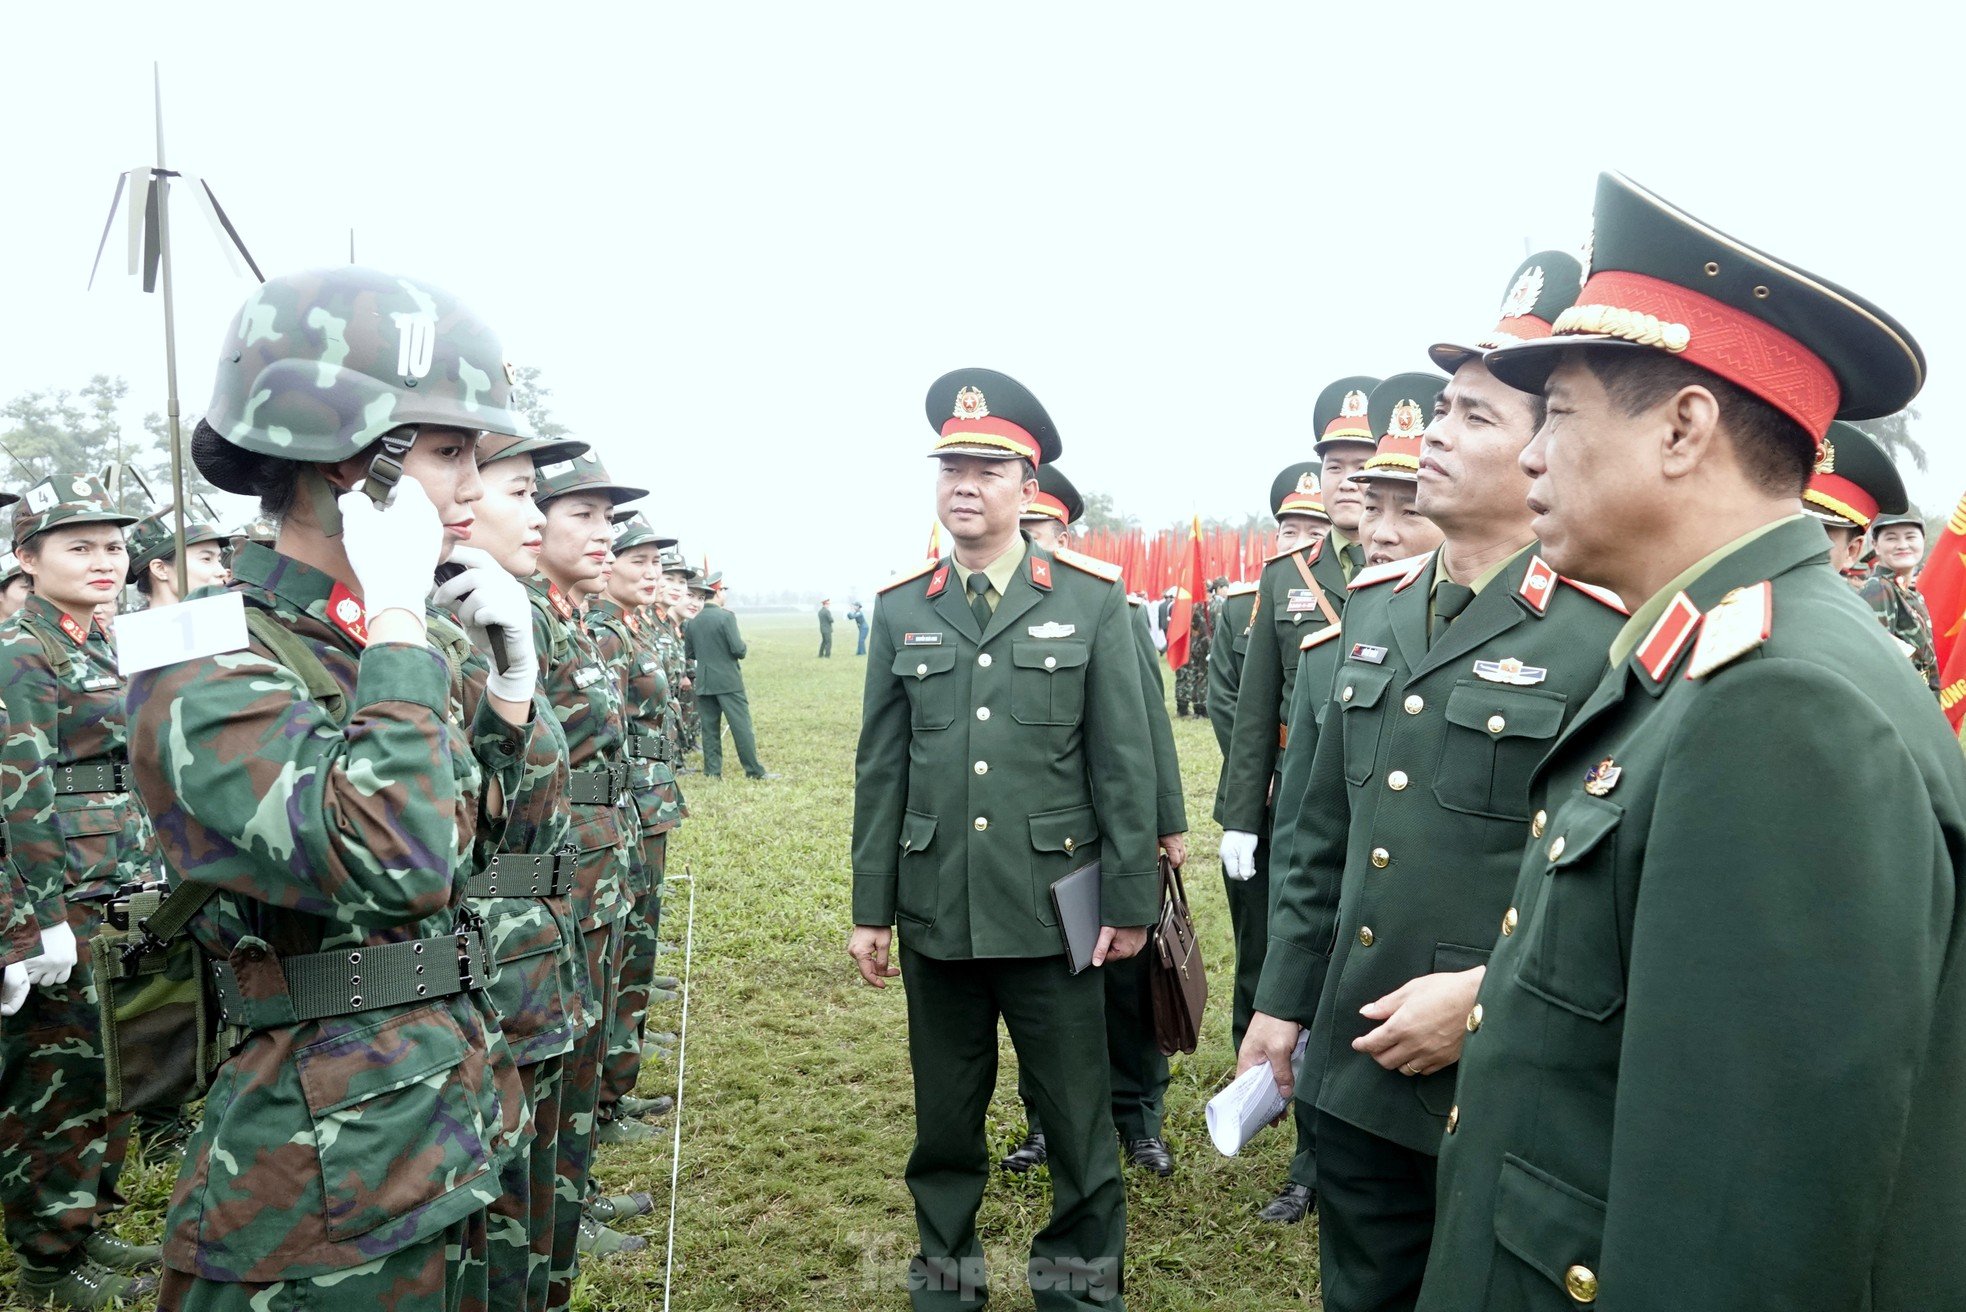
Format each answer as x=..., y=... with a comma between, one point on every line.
x=165, y=635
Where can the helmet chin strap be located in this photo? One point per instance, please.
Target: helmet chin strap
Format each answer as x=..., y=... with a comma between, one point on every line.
x=385, y=472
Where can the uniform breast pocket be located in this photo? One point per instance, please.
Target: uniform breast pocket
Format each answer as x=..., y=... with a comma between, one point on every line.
x=928, y=674
x=1360, y=692
x=1496, y=736
x=1574, y=955
x=1047, y=685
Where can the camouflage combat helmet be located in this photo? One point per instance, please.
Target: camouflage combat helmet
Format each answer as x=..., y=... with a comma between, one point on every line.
x=320, y=364
x=154, y=537
x=632, y=530
x=583, y=473
x=61, y=501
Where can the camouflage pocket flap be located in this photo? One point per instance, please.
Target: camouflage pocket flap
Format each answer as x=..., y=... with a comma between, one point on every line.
x=379, y=1058
x=594, y=828
x=88, y=820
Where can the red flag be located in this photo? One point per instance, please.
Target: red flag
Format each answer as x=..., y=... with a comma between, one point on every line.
x=1943, y=585
x=1181, y=623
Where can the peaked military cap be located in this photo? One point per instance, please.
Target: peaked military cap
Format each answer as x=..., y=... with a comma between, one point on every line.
x=1543, y=286
x=1295, y=491
x=633, y=531
x=1658, y=279
x=154, y=537
x=61, y=501
x=1402, y=407
x=543, y=450
x=583, y=473
x=1339, y=414
x=1854, y=481
x=1057, y=498
x=714, y=580
x=980, y=412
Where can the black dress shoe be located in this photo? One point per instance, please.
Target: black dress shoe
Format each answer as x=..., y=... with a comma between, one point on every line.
x=1151, y=1155
x=1292, y=1203
x=1027, y=1156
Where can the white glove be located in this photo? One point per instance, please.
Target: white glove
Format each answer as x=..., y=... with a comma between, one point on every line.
x=392, y=551
x=484, y=597
x=57, y=957
x=13, y=989
x=1238, y=854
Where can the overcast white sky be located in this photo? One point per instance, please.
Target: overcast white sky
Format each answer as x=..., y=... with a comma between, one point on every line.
x=741, y=239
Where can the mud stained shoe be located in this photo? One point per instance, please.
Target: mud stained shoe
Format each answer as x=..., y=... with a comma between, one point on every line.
x=84, y=1283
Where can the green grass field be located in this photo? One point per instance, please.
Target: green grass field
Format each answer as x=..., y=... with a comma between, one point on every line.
x=797, y=1117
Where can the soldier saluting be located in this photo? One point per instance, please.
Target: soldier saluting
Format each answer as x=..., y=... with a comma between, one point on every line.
x=1001, y=748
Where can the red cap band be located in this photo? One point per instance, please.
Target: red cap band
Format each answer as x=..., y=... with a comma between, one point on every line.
x=1049, y=507
x=1010, y=437
x=1840, y=496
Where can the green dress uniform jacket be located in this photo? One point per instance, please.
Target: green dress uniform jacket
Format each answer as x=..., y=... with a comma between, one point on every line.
x=1723, y=1032
x=994, y=762
x=713, y=642
x=1226, y=646
x=1170, y=807
x=1407, y=839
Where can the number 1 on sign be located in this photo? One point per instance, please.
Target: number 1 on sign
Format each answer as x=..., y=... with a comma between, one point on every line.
x=166, y=635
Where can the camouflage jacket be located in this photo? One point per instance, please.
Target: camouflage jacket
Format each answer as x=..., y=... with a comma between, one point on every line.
x=64, y=703
x=1901, y=610
x=20, y=932
x=665, y=631
x=645, y=699
x=327, y=1144
x=576, y=685
x=540, y=984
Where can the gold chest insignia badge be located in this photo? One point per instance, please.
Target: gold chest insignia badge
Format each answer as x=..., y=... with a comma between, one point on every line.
x=970, y=404
x=1602, y=777
x=1523, y=296
x=1511, y=670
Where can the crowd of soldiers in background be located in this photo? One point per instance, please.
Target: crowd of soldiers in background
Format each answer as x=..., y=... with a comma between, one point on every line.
x=428, y=1134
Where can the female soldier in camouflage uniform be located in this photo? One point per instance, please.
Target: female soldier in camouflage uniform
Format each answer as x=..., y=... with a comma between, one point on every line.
x=152, y=544
x=311, y=779
x=20, y=932
x=76, y=839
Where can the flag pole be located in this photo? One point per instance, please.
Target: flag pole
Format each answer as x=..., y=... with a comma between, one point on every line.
x=170, y=336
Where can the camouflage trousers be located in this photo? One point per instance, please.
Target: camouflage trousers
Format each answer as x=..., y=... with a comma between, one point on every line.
x=622, y=1066
x=61, y=1152
x=580, y=1089
x=1191, y=684
x=519, y=1223
x=445, y=1273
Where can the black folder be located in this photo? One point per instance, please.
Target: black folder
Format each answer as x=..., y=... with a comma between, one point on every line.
x=1076, y=900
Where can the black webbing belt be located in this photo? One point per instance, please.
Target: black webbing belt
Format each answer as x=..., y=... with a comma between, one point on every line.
x=351, y=980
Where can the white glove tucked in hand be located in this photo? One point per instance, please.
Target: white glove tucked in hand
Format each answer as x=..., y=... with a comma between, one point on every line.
x=484, y=597
x=57, y=959
x=13, y=989
x=1238, y=855
x=393, y=551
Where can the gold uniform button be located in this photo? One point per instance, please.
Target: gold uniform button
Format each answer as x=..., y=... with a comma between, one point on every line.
x=1365, y=936
x=1496, y=724
x=1397, y=781
x=982, y=767
x=1415, y=704
x=981, y=824
x=982, y=712
x=1070, y=843
x=983, y=659
x=1381, y=857
x=1453, y=1118
x=1580, y=1282
x=922, y=668
x=1536, y=825
x=1508, y=922
x=1556, y=848
x=1346, y=695
x=1474, y=1018
x=1051, y=662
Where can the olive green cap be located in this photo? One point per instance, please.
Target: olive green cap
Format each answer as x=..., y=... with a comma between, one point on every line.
x=1057, y=499
x=154, y=537
x=543, y=450
x=673, y=562
x=1542, y=287
x=1401, y=408
x=632, y=530
x=1854, y=481
x=61, y=501
x=1297, y=485
x=583, y=473
x=1339, y=414
x=1909, y=515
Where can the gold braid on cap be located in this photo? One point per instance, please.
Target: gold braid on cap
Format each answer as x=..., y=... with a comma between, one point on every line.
x=1628, y=325
x=1841, y=509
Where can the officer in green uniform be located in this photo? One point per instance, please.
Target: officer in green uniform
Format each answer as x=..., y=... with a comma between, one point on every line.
x=1139, y=1069
x=1300, y=590
x=1853, y=483
x=313, y=780
x=713, y=642
x=152, y=545
x=1889, y=589
x=1001, y=748
x=1458, y=668
x=1718, y=1051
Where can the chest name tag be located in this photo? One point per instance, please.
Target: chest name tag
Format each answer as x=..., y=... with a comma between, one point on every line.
x=101, y=683
x=1365, y=651
x=1301, y=599
x=921, y=640
x=166, y=635
x=586, y=676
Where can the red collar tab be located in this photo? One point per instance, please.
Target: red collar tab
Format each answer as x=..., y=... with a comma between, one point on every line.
x=1538, y=585
x=346, y=613
x=1040, y=573
x=561, y=606
x=77, y=634
x=1668, y=638
x=938, y=580
x=1418, y=568
x=1317, y=549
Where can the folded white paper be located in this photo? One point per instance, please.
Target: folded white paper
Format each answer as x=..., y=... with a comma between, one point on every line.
x=1249, y=1103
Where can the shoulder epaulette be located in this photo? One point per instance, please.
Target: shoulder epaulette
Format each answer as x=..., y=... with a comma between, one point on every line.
x=1241, y=589
x=911, y=575
x=1324, y=634
x=1087, y=565
x=1740, y=623
x=1286, y=555
x=1404, y=571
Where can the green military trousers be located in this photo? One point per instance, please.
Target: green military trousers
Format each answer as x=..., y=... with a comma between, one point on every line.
x=1138, y=1070
x=713, y=709
x=519, y=1222
x=621, y=1068
x=1375, y=1218
x=444, y=1273
x=580, y=1091
x=1057, y=1022
x=1249, y=922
